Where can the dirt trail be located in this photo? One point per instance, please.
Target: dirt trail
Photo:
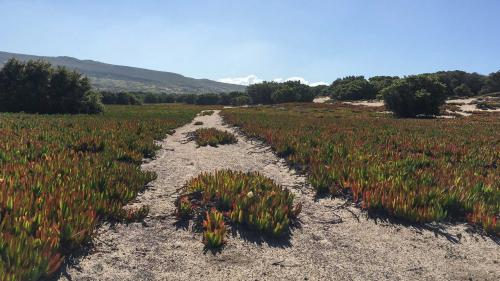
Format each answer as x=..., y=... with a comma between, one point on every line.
x=332, y=243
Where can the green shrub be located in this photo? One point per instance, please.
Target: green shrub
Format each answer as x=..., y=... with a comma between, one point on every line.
x=352, y=88
x=414, y=95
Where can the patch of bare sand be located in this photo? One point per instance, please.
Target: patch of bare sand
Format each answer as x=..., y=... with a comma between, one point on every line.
x=371, y=103
x=468, y=106
x=321, y=99
x=333, y=242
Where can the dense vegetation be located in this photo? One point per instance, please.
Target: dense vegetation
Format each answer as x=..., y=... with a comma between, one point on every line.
x=213, y=137
x=352, y=88
x=457, y=83
x=414, y=95
x=247, y=199
x=122, y=98
x=272, y=92
x=418, y=169
x=60, y=174
x=37, y=87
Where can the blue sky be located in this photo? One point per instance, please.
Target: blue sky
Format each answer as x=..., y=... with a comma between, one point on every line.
x=245, y=40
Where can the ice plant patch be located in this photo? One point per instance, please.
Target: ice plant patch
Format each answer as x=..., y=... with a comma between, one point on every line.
x=247, y=199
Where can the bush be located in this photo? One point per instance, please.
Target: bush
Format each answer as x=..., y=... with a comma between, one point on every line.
x=414, y=95
x=352, y=88
x=37, y=87
x=381, y=82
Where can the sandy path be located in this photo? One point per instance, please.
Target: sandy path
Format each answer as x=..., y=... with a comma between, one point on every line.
x=331, y=243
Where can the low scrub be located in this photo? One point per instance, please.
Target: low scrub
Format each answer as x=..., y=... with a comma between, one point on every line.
x=61, y=175
x=247, y=199
x=420, y=170
x=213, y=137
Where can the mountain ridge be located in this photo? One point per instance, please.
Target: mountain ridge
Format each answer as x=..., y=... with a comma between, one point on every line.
x=111, y=77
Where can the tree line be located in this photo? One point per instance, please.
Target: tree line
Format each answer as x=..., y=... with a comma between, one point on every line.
x=457, y=83
x=37, y=87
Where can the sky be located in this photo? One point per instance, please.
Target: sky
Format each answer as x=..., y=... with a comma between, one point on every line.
x=249, y=41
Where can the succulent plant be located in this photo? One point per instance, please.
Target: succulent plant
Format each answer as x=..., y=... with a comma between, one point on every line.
x=419, y=170
x=248, y=199
x=212, y=137
x=60, y=175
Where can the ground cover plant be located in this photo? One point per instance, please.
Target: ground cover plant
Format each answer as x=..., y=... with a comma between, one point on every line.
x=247, y=199
x=415, y=169
x=213, y=137
x=61, y=174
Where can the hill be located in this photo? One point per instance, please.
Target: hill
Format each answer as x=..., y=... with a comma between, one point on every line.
x=125, y=78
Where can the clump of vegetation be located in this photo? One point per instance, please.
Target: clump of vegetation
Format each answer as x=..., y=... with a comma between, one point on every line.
x=213, y=137
x=122, y=98
x=492, y=83
x=415, y=95
x=416, y=169
x=273, y=92
x=37, y=87
x=247, y=199
x=133, y=214
x=207, y=113
x=60, y=175
x=352, y=88
x=198, y=123
x=214, y=229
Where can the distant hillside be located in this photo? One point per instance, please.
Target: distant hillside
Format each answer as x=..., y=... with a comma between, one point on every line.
x=124, y=78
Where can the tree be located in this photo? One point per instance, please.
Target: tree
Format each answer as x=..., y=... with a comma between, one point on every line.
x=414, y=95
x=352, y=88
x=463, y=91
x=492, y=84
x=454, y=79
x=320, y=90
x=261, y=93
x=37, y=87
x=292, y=91
x=381, y=82
x=207, y=99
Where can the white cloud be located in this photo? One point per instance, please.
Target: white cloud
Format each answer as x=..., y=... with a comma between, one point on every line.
x=253, y=79
x=248, y=80
x=321, y=83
